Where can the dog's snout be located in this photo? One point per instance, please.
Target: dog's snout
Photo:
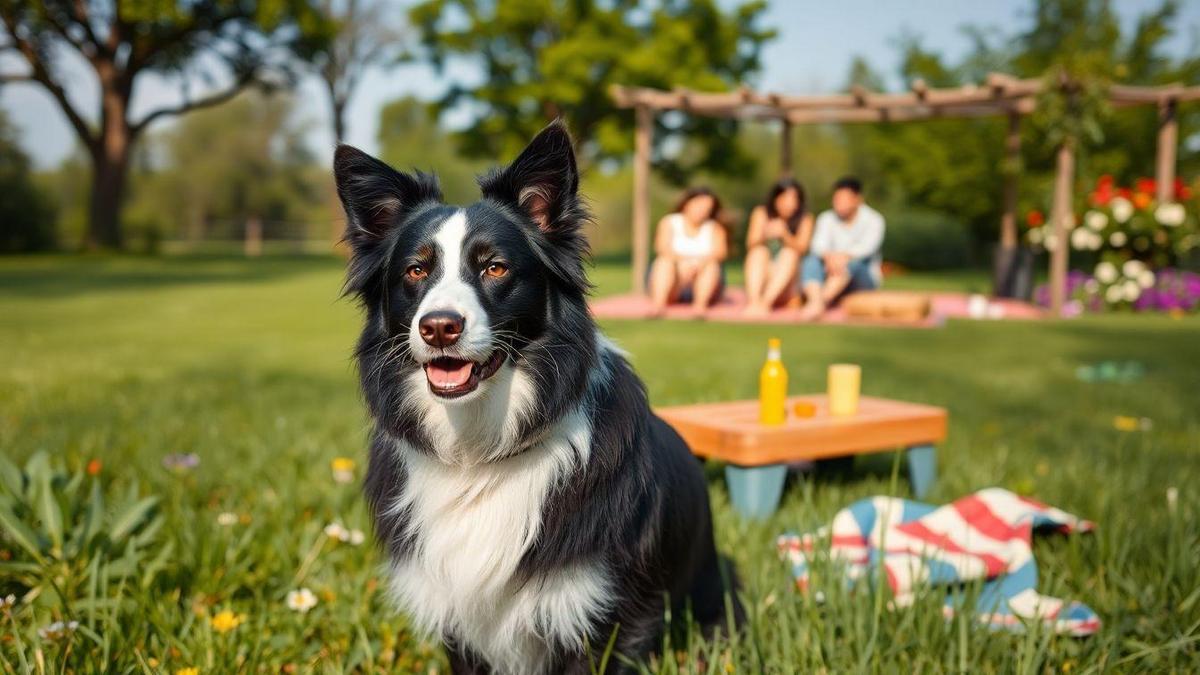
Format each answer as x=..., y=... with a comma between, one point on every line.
x=442, y=328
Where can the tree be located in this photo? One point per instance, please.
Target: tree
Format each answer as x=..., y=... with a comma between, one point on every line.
x=254, y=43
x=557, y=58
x=231, y=171
x=25, y=212
x=364, y=38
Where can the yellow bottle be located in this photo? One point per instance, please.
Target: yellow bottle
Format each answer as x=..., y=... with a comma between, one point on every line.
x=772, y=387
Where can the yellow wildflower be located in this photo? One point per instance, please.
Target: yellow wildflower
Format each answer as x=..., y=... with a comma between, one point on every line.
x=343, y=469
x=188, y=671
x=226, y=621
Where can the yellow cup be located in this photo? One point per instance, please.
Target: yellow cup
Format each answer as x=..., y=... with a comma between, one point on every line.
x=845, y=379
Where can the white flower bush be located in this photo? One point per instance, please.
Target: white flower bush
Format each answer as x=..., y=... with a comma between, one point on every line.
x=1129, y=240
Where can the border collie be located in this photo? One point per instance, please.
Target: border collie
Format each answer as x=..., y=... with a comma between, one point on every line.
x=530, y=503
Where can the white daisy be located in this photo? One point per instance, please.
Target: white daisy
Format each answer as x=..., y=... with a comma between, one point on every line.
x=1113, y=294
x=301, y=600
x=1131, y=290
x=1122, y=210
x=1081, y=239
x=1117, y=239
x=57, y=630
x=335, y=530
x=227, y=518
x=1095, y=220
x=1106, y=272
x=1132, y=268
x=1170, y=214
x=1146, y=279
x=355, y=537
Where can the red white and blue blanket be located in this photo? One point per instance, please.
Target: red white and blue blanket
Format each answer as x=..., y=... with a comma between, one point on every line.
x=984, y=537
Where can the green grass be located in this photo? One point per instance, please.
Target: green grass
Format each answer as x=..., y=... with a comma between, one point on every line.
x=247, y=365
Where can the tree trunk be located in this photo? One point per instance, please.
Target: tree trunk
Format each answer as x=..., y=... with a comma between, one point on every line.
x=339, y=121
x=110, y=159
x=108, y=189
x=253, y=245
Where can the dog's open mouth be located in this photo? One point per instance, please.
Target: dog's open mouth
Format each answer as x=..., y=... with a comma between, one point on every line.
x=450, y=378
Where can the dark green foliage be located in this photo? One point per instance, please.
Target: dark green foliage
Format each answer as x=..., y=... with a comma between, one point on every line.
x=926, y=240
x=26, y=216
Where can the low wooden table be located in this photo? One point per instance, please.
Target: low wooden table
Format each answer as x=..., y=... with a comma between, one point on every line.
x=758, y=454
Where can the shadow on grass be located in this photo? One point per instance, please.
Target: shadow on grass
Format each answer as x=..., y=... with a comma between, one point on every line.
x=62, y=276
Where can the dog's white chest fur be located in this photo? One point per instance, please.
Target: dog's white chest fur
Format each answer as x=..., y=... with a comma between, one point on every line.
x=472, y=525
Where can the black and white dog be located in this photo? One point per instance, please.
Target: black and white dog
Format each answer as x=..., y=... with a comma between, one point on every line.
x=529, y=501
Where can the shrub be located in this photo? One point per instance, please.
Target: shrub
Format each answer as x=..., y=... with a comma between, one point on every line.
x=926, y=240
x=25, y=214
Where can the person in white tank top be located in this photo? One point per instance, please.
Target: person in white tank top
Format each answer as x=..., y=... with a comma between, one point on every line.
x=690, y=246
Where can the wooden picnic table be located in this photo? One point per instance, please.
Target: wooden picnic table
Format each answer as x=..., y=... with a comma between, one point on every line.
x=758, y=455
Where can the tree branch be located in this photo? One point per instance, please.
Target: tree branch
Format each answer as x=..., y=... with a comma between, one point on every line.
x=193, y=104
x=40, y=73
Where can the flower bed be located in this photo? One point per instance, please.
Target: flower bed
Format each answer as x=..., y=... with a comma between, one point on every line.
x=1133, y=245
x=1139, y=289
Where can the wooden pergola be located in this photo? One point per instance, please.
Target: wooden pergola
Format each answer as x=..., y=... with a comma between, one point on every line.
x=1000, y=95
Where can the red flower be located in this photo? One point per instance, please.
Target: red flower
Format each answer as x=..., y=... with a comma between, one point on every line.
x=1104, y=181
x=1126, y=193
x=1102, y=195
x=1180, y=189
x=1142, y=199
x=1145, y=185
x=1035, y=218
x=93, y=467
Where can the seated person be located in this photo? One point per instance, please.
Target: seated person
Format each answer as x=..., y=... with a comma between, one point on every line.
x=689, y=247
x=845, y=252
x=780, y=228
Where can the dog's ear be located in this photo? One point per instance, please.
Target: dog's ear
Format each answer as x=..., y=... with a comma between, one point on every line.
x=543, y=181
x=376, y=197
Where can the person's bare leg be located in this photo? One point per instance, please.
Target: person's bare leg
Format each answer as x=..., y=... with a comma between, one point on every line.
x=662, y=284
x=783, y=275
x=704, y=290
x=814, y=305
x=758, y=262
x=834, y=286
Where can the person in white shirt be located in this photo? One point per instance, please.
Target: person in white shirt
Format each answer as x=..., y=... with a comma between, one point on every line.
x=844, y=255
x=690, y=247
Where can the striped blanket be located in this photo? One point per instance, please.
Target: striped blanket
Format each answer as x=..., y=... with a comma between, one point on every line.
x=981, y=537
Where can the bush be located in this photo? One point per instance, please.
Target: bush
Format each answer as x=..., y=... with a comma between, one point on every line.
x=926, y=240
x=26, y=215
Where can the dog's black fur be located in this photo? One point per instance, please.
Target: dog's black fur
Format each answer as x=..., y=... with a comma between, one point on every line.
x=639, y=504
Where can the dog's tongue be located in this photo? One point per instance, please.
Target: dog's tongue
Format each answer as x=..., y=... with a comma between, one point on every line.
x=448, y=373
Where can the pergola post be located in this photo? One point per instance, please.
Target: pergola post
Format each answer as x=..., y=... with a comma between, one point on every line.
x=1168, y=135
x=785, y=148
x=1012, y=169
x=1061, y=214
x=643, y=134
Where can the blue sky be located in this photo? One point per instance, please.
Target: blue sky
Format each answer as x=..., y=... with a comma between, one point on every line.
x=818, y=39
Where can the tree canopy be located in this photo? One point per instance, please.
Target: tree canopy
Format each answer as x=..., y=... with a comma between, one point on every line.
x=552, y=58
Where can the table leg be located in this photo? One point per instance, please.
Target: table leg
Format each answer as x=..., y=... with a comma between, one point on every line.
x=922, y=468
x=755, y=490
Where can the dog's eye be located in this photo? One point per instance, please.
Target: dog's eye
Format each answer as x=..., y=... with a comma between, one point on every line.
x=496, y=270
x=415, y=272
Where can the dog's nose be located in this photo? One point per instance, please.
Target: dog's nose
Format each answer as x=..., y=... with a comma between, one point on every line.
x=441, y=329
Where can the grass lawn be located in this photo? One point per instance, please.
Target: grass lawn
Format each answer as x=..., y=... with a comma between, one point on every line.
x=247, y=365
